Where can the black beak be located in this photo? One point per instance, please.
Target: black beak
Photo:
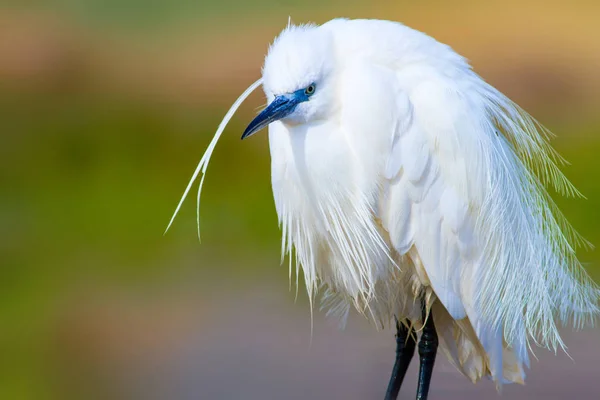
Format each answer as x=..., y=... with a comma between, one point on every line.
x=280, y=107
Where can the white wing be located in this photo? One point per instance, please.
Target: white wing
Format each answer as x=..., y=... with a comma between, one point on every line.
x=466, y=194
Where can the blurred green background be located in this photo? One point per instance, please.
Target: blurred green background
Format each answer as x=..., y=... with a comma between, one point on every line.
x=107, y=106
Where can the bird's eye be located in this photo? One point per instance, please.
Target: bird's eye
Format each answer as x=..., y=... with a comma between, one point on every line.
x=310, y=89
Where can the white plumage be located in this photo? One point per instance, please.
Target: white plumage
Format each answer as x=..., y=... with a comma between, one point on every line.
x=406, y=175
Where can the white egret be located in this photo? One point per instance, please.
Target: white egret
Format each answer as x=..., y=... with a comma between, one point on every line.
x=409, y=188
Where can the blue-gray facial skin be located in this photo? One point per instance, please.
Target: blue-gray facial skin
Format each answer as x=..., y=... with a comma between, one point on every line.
x=280, y=107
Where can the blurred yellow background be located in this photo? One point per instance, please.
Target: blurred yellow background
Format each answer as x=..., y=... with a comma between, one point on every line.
x=106, y=107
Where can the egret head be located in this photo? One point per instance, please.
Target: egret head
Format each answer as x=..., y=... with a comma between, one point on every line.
x=297, y=78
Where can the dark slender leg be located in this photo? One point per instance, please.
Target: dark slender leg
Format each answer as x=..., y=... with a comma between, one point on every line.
x=405, y=348
x=427, y=352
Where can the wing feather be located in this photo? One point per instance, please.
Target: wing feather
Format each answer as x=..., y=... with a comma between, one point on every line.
x=468, y=182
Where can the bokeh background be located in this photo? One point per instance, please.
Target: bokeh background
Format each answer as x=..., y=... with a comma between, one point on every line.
x=105, y=109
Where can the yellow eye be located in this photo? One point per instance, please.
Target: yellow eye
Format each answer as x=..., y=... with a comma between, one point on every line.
x=310, y=89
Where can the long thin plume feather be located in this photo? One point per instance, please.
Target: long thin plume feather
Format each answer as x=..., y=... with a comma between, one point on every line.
x=203, y=164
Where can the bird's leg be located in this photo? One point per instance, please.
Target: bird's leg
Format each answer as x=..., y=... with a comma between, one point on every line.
x=405, y=348
x=427, y=352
